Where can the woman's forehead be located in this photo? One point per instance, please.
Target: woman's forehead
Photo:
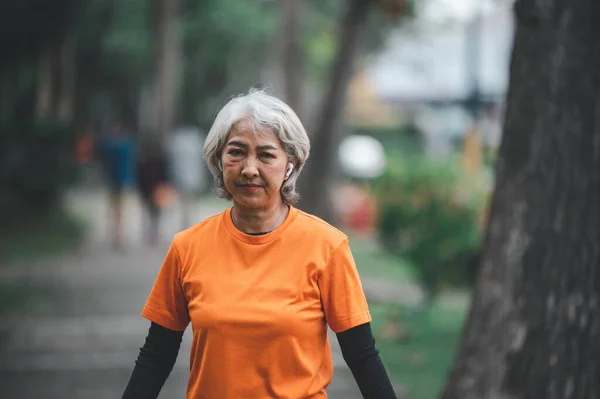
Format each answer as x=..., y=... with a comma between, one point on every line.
x=253, y=134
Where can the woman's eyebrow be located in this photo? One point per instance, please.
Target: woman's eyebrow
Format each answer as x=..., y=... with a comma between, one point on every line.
x=238, y=144
x=245, y=146
x=266, y=147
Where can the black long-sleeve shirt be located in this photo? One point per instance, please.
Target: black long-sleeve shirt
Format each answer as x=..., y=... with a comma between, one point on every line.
x=159, y=353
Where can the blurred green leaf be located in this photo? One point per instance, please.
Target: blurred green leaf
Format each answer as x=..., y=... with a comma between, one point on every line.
x=429, y=215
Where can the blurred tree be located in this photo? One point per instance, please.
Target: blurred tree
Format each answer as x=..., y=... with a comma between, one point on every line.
x=114, y=59
x=56, y=81
x=29, y=26
x=35, y=160
x=318, y=178
x=292, y=53
x=118, y=49
x=167, y=63
x=225, y=43
x=28, y=29
x=534, y=322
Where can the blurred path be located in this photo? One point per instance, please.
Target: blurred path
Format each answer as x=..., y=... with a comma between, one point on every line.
x=81, y=331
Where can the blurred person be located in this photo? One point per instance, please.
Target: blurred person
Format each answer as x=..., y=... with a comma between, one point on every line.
x=186, y=167
x=153, y=186
x=261, y=282
x=117, y=154
x=84, y=145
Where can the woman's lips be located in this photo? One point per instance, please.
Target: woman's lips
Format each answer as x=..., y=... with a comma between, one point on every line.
x=250, y=187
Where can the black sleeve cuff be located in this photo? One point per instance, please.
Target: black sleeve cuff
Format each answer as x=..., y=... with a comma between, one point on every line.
x=362, y=357
x=154, y=363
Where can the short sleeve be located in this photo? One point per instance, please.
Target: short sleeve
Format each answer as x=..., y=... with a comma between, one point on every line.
x=166, y=304
x=342, y=296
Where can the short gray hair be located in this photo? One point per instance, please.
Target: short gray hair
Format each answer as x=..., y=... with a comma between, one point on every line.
x=262, y=110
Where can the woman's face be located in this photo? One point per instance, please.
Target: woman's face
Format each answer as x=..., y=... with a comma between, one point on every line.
x=254, y=166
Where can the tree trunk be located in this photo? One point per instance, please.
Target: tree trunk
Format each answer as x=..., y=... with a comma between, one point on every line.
x=292, y=54
x=66, y=94
x=534, y=327
x=317, y=180
x=56, y=83
x=168, y=61
x=48, y=83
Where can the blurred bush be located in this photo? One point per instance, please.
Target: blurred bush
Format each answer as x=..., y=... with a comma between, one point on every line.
x=37, y=162
x=429, y=212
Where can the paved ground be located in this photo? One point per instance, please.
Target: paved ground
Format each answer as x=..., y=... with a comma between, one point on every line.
x=80, y=331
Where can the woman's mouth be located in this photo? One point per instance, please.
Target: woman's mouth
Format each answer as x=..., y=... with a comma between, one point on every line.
x=250, y=187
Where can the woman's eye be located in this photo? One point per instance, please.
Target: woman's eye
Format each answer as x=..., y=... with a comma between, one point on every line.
x=235, y=153
x=267, y=155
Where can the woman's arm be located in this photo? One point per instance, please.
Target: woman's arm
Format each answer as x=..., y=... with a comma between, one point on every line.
x=154, y=363
x=362, y=357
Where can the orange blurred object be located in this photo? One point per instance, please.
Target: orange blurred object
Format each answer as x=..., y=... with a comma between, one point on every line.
x=84, y=149
x=163, y=195
x=356, y=207
x=393, y=8
x=362, y=216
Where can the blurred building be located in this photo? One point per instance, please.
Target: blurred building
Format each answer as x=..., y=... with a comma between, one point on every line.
x=427, y=70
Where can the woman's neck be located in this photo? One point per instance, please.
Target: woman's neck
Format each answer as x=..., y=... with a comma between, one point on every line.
x=254, y=221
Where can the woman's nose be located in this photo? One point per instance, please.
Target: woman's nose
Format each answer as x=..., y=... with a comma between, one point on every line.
x=250, y=168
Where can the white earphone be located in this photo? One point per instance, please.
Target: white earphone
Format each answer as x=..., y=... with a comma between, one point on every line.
x=289, y=170
x=220, y=165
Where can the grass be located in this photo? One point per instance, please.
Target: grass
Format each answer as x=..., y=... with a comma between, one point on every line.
x=371, y=261
x=47, y=236
x=420, y=362
x=34, y=238
x=16, y=297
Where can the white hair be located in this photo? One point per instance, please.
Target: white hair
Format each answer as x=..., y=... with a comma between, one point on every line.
x=262, y=111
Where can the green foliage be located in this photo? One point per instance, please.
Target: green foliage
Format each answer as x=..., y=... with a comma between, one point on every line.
x=225, y=46
x=320, y=50
x=225, y=43
x=35, y=155
x=40, y=235
x=37, y=163
x=115, y=49
x=319, y=37
x=429, y=214
x=18, y=295
x=321, y=33
x=130, y=33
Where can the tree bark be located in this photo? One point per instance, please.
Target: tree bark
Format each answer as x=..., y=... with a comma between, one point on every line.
x=534, y=327
x=48, y=83
x=66, y=95
x=316, y=182
x=168, y=61
x=56, y=82
x=292, y=54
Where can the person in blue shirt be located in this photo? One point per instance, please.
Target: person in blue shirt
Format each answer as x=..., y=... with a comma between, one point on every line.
x=152, y=175
x=117, y=154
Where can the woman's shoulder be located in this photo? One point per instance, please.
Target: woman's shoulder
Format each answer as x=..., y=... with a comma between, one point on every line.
x=198, y=231
x=319, y=228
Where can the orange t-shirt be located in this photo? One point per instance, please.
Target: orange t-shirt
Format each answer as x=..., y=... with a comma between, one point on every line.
x=259, y=305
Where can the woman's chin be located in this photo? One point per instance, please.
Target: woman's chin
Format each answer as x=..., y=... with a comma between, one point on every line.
x=249, y=201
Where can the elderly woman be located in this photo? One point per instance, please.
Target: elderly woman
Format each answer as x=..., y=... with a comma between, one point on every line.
x=261, y=282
